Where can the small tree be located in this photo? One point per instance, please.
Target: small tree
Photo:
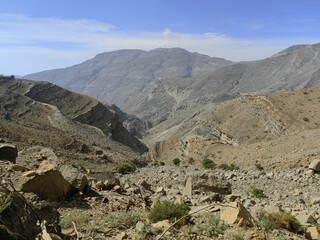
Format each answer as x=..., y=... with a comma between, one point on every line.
x=123, y=168
x=208, y=163
x=169, y=210
x=176, y=161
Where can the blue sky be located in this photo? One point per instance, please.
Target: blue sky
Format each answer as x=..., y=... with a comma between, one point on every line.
x=39, y=35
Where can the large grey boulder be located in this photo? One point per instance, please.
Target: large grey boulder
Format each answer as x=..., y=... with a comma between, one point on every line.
x=8, y=152
x=108, y=179
x=75, y=177
x=47, y=183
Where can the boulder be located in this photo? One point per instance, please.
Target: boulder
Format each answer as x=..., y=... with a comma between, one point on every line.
x=75, y=177
x=48, y=183
x=315, y=165
x=187, y=190
x=306, y=219
x=210, y=183
x=20, y=218
x=108, y=179
x=236, y=213
x=312, y=233
x=145, y=185
x=8, y=152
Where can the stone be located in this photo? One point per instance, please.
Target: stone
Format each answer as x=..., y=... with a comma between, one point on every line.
x=232, y=197
x=99, y=185
x=117, y=189
x=270, y=175
x=315, y=165
x=121, y=236
x=211, y=198
x=161, y=224
x=236, y=213
x=8, y=152
x=271, y=208
x=108, y=179
x=297, y=192
x=75, y=177
x=210, y=183
x=315, y=200
x=312, y=233
x=140, y=226
x=30, y=173
x=160, y=190
x=306, y=219
x=257, y=235
x=19, y=168
x=187, y=190
x=48, y=184
x=145, y=185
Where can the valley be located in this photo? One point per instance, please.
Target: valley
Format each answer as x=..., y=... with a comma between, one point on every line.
x=234, y=145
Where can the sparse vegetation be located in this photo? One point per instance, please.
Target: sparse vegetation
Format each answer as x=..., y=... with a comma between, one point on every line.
x=176, y=161
x=286, y=221
x=267, y=225
x=306, y=119
x=169, y=210
x=124, y=168
x=208, y=163
x=233, y=234
x=257, y=192
x=5, y=201
x=122, y=219
x=258, y=166
x=227, y=167
x=208, y=224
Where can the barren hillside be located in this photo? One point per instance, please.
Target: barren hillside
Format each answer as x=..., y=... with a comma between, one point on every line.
x=276, y=130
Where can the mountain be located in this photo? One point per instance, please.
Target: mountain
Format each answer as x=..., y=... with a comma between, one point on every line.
x=154, y=85
x=294, y=68
x=114, y=77
x=277, y=130
x=40, y=113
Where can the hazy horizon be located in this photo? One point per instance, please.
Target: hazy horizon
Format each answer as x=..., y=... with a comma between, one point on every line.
x=39, y=35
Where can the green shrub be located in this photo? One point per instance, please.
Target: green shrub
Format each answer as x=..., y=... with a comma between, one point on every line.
x=124, y=168
x=176, y=161
x=208, y=163
x=267, y=225
x=169, y=210
x=286, y=221
x=306, y=119
x=227, y=167
x=257, y=192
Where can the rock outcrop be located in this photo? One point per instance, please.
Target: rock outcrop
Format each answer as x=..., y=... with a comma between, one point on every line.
x=8, y=152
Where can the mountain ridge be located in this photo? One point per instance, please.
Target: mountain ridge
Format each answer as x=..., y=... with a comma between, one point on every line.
x=152, y=85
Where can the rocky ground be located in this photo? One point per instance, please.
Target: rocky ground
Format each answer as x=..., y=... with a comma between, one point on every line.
x=99, y=204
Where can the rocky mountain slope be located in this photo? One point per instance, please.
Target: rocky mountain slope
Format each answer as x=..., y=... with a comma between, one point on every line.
x=276, y=130
x=154, y=84
x=114, y=77
x=40, y=113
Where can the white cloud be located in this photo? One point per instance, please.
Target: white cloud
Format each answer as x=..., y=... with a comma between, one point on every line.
x=33, y=44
